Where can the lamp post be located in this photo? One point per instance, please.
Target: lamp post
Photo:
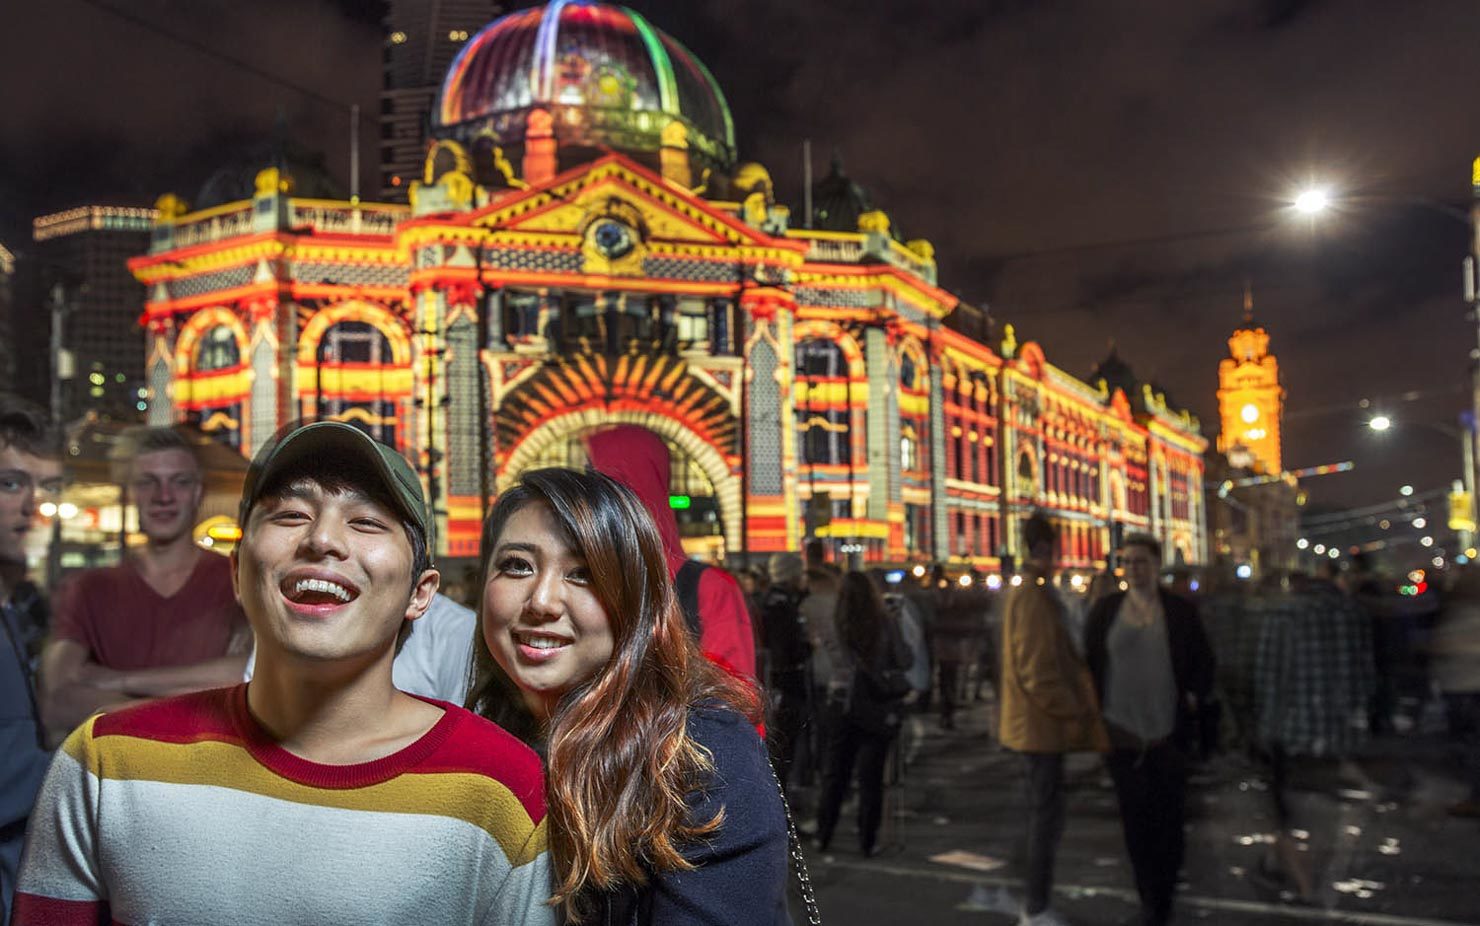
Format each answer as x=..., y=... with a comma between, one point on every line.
x=1316, y=201
x=1466, y=438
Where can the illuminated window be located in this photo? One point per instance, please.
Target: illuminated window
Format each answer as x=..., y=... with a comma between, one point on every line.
x=217, y=350
x=822, y=427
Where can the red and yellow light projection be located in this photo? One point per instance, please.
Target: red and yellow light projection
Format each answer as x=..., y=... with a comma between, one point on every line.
x=808, y=382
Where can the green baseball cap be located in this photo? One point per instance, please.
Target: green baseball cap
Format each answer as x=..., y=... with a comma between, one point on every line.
x=332, y=443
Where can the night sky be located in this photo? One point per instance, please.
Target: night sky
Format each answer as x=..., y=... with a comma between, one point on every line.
x=1010, y=133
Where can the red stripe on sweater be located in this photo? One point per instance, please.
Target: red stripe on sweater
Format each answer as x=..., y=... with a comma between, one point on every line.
x=34, y=910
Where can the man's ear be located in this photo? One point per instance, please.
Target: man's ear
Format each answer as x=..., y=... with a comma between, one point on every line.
x=422, y=593
x=236, y=584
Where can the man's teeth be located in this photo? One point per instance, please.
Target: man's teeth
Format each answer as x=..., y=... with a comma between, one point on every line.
x=325, y=586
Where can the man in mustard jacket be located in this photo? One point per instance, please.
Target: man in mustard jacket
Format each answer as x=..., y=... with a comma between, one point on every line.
x=1048, y=709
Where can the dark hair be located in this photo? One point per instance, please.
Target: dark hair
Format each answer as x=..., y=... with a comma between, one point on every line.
x=815, y=552
x=24, y=426
x=342, y=476
x=860, y=617
x=1039, y=531
x=1146, y=542
x=620, y=762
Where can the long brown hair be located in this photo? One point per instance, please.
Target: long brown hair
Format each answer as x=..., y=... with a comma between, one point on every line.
x=619, y=760
x=860, y=617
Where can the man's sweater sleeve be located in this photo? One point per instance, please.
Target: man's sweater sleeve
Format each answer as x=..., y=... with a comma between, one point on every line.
x=60, y=880
x=524, y=899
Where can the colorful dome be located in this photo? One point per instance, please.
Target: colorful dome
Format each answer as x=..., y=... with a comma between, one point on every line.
x=609, y=79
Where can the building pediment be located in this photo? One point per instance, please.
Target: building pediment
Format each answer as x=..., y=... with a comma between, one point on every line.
x=617, y=187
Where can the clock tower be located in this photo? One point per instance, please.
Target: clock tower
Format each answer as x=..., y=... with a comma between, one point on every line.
x=1251, y=401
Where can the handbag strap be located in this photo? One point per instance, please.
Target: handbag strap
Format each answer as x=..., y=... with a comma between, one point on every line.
x=809, y=899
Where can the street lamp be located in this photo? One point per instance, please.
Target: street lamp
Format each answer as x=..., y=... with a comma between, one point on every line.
x=1467, y=466
x=1312, y=201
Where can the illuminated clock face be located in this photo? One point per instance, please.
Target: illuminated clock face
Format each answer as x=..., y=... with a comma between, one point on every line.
x=613, y=239
x=1250, y=413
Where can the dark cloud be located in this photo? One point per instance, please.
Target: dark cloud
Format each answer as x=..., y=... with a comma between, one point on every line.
x=997, y=128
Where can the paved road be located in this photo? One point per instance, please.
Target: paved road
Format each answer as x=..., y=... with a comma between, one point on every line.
x=1380, y=844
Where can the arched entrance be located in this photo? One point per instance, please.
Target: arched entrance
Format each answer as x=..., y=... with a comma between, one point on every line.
x=711, y=522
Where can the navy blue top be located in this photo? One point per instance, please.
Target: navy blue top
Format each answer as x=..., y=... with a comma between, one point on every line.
x=742, y=867
x=23, y=761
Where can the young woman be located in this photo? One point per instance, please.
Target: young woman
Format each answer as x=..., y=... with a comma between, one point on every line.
x=662, y=804
x=865, y=724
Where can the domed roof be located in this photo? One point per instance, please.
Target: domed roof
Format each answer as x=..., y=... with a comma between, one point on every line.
x=608, y=77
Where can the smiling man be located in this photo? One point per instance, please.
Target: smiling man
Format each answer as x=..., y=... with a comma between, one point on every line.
x=318, y=792
x=161, y=622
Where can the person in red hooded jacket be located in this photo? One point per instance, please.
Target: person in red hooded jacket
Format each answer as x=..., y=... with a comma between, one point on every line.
x=638, y=458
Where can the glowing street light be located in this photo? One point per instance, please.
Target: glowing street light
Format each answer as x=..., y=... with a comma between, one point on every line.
x=1380, y=423
x=1312, y=201
x=1420, y=523
x=1302, y=543
x=1405, y=491
x=1426, y=541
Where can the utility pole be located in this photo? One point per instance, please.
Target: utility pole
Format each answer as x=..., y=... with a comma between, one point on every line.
x=61, y=368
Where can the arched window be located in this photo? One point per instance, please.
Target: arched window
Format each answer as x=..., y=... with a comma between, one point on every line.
x=354, y=342
x=217, y=350
x=356, y=379
x=822, y=411
x=908, y=373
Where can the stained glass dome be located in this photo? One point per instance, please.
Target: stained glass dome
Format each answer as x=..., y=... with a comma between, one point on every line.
x=607, y=77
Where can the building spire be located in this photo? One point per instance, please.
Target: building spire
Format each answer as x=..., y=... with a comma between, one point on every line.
x=1248, y=302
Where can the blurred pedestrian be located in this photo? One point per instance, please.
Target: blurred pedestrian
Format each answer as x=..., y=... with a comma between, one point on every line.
x=1153, y=670
x=825, y=669
x=30, y=467
x=709, y=596
x=1388, y=621
x=785, y=640
x=866, y=718
x=165, y=620
x=1313, y=683
x=1456, y=655
x=959, y=618
x=1048, y=709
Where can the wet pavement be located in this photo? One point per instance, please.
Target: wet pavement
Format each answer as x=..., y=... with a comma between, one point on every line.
x=1373, y=833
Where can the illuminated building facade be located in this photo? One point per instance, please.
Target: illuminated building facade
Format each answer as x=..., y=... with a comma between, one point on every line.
x=582, y=248
x=1251, y=401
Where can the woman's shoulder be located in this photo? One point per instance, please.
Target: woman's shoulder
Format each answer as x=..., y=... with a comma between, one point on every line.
x=714, y=722
x=736, y=752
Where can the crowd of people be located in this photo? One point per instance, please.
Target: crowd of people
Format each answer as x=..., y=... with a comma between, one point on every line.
x=604, y=729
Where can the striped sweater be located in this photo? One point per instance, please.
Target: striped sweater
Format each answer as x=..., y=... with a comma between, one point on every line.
x=185, y=811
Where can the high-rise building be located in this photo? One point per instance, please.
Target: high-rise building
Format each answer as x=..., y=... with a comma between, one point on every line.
x=422, y=38
x=7, y=319
x=1251, y=400
x=80, y=256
